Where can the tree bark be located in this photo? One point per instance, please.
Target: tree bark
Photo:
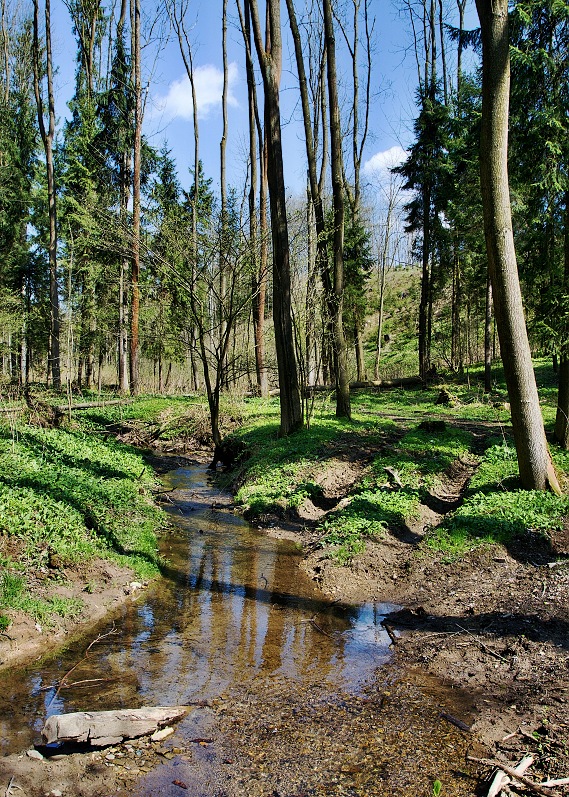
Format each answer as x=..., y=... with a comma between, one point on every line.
x=270, y=59
x=259, y=271
x=47, y=139
x=488, y=338
x=562, y=417
x=535, y=467
x=135, y=269
x=343, y=408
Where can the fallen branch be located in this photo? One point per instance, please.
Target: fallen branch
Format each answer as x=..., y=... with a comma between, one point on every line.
x=484, y=647
x=456, y=722
x=501, y=780
x=68, y=673
x=531, y=784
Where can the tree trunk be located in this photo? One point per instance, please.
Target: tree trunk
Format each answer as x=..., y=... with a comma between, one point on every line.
x=343, y=408
x=135, y=271
x=562, y=417
x=316, y=185
x=259, y=273
x=488, y=338
x=270, y=59
x=536, y=469
x=424, y=354
x=47, y=139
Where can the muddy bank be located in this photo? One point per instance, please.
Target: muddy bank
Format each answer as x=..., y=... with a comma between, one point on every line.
x=494, y=624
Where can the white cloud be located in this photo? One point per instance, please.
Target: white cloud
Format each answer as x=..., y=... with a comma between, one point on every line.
x=379, y=164
x=177, y=103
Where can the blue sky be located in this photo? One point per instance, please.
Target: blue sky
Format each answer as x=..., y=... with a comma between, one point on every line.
x=168, y=113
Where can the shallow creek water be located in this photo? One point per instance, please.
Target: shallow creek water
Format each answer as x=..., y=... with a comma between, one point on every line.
x=233, y=618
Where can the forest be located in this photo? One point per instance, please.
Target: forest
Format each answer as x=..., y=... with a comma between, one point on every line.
x=372, y=340
x=114, y=276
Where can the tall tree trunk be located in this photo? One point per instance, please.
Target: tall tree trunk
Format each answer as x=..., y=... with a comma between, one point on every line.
x=343, y=408
x=270, y=59
x=536, y=469
x=310, y=304
x=258, y=276
x=488, y=338
x=47, y=139
x=316, y=184
x=135, y=272
x=562, y=417
x=423, y=338
x=223, y=260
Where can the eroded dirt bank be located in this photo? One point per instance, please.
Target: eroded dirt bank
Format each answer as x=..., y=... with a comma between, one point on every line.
x=494, y=625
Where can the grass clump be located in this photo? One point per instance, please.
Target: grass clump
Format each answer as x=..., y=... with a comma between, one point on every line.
x=14, y=596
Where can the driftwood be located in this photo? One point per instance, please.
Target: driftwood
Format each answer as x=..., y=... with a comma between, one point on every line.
x=501, y=780
x=538, y=788
x=100, y=728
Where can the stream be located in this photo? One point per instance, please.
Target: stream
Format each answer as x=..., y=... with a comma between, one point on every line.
x=234, y=618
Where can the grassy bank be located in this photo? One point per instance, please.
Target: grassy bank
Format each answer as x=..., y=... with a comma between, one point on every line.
x=276, y=476
x=74, y=493
x=68, y=496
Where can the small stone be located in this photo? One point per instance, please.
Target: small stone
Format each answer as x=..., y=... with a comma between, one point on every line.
x=110, y=757
x=163, y=733
x=34, y=754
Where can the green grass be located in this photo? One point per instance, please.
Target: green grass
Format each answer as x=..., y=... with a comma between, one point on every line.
x=280, y=474
x=70, y=493
x=391, y=498
x=496, y=510
x=14, y=596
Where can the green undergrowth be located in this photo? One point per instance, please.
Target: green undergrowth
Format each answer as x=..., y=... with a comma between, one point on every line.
x=390, y=496
x=69, y=494
x=279, y=473
x=496, y=510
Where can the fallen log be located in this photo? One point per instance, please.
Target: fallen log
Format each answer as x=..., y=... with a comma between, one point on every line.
x=101, y=728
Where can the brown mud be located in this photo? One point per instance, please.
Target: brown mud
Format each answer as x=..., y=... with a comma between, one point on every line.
x=481, y=648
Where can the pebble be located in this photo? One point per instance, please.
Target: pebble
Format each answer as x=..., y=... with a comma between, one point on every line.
x=34, y=754
x=110, y=757
x=157, y=736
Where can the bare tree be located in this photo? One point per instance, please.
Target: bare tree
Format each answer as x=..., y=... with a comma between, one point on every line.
x=177, y=14
x=343, y=408
x=270, y=60
x=258, y=253
x=534, y=461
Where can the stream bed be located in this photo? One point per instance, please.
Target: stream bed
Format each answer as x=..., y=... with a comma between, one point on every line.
x=291, y=693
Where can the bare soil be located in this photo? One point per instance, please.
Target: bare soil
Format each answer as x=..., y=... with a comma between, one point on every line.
x=494, y=627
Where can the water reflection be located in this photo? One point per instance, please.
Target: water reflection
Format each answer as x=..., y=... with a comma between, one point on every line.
x=233, y=607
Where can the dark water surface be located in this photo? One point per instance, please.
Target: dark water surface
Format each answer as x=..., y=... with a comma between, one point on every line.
x=233, y=608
